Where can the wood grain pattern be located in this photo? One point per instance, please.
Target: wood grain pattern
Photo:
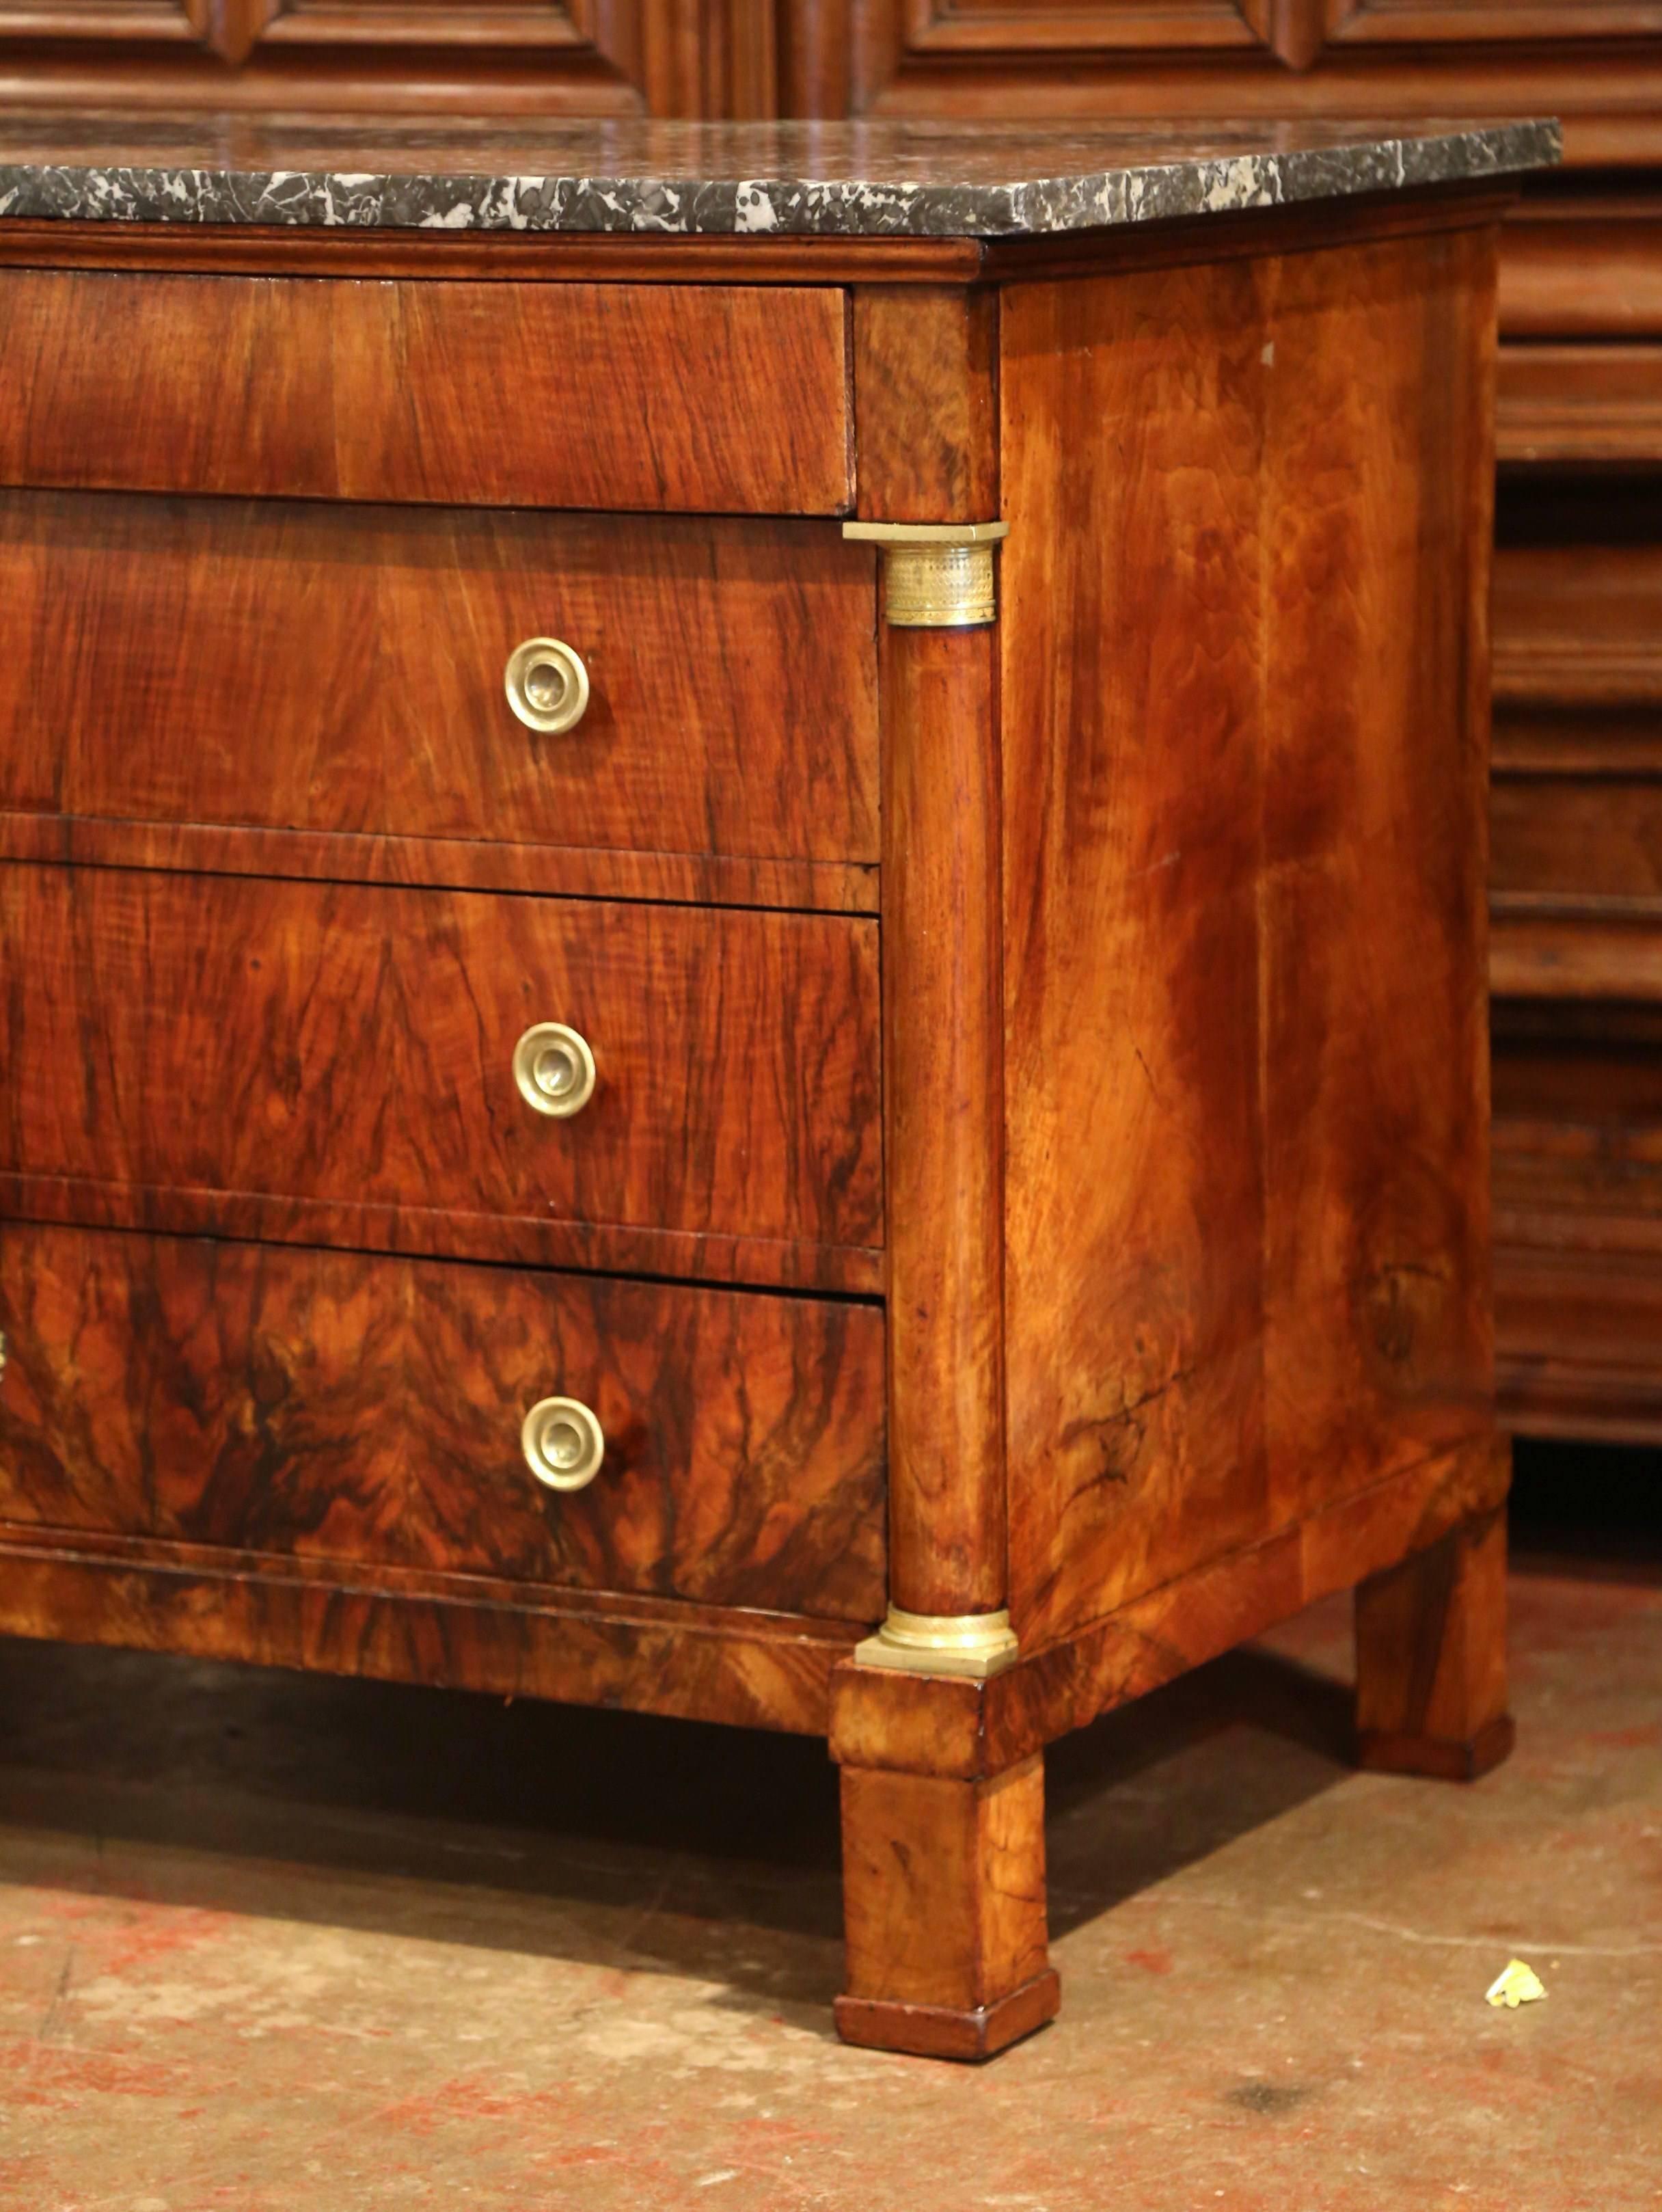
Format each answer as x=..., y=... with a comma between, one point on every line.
x=748, y=259
x=925, y=404
x=943, y=1912
x=1182, y=950
x=943, y=1062
x=518, y=257
x=304, y=388
x=971, y=1729
x=1131, y=725
x=367, y=1411
x=1372, y=949
x=307, y=667
x=1431, y=1670
x=345, y=1044
x=693, y=1662
x=447, y=863
x=927, y=359
x=425, y=1231
x=1243, y=708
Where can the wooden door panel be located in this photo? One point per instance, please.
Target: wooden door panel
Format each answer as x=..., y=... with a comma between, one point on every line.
x=145, y=22
x=1101, y=26
x=1295, y=30
x=1375, y=22
x=1222, y=62
x=394, y=58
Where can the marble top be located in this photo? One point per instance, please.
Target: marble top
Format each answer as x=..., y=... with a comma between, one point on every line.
x=859, y=180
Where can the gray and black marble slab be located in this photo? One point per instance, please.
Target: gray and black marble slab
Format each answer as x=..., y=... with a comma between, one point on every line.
x=909, y=181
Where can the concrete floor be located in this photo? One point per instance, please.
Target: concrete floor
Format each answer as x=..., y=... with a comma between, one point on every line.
x=269, y=1944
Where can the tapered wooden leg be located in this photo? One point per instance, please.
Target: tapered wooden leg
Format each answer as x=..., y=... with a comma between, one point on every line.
x=943, y=1910
x=1431, y=1676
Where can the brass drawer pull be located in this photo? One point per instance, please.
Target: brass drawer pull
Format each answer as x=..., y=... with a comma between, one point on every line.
x=547, y=685
x=555, y=1070
x=563, y=1444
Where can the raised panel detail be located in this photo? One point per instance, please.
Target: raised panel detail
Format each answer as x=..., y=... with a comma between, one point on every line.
x=1096, y=26
x=1476, y=21
x=541, y=23
x=1295, y=31
x=178, y=23
x=394, y=59
x=1291, y=29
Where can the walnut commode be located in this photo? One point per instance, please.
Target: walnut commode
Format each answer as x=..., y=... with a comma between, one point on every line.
x=745, y=973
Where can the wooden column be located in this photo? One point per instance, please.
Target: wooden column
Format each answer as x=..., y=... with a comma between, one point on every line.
x=944, y=1865
x=943, y=1070
x=926, y=466
x=928, y=477
x=1431, y=1676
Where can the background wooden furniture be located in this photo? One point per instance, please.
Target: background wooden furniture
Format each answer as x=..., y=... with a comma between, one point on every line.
x=1027, y=1227
x=534, y=59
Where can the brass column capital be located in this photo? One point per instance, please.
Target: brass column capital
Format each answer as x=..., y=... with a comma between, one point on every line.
x=936, y=575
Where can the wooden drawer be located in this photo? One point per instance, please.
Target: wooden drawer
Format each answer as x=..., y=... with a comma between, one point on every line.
x=719, y=399
x=334, y=1406
x=341, y=669
x=352, y=1044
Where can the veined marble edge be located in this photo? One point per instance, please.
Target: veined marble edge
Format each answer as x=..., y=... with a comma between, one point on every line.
x=801, y=207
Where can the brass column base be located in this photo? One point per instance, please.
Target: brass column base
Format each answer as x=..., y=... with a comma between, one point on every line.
x=972, y=1644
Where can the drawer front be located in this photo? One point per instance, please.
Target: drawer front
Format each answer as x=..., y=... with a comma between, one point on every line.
x=678, y=399
x=343, y=669
x=335, y=1406
x=356, y=1045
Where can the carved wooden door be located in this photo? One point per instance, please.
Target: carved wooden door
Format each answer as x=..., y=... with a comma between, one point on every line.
x=393, y=57
x=1593, y=62
x=1476, y=22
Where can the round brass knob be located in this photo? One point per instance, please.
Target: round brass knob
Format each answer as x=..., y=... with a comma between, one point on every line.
x=555, y=1070
x=547, y=683
x=562, y=1442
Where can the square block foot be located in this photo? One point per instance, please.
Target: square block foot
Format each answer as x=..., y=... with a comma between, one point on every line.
x=939, y=2031
x=1386, y=1753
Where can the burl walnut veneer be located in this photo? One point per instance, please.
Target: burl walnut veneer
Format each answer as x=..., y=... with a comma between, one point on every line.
x=744, y=944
